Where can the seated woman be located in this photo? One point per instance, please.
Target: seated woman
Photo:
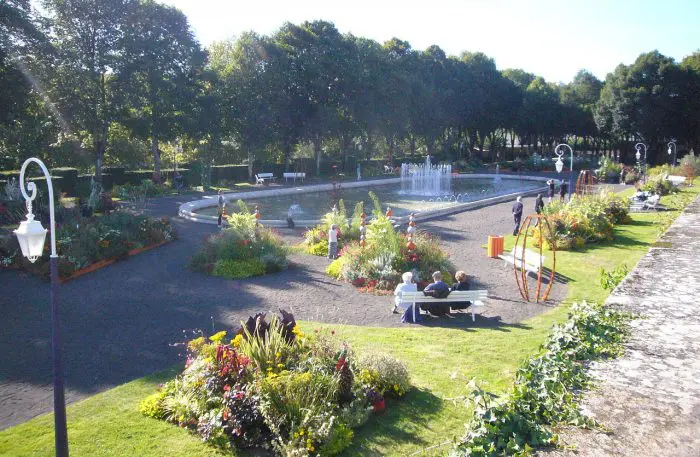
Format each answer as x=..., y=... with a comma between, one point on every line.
x=461, y=284
x=407, y=286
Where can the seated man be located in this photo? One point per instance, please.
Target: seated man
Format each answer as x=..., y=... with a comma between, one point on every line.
x=437, y=289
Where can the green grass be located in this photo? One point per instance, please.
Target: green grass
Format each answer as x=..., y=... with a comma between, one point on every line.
x=439, y=360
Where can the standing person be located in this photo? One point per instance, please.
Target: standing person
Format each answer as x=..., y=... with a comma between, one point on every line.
x=517, y=214
x=563, y=190
x=220, y=205
x=550, y=190
x=539, y=207
x=333, y=242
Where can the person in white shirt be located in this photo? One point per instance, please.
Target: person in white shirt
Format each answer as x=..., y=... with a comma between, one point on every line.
x=407, y=286
x=333, y=242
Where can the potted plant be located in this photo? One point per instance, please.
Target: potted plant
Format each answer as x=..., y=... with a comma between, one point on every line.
x=376, y=400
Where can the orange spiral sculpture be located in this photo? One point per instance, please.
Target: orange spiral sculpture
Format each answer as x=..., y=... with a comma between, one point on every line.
x=521, y=272
x=585, y=182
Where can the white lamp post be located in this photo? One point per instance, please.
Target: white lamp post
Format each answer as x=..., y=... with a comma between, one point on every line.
x=638, y=155
x=559, y=164
x=31, y=236
x=670, y=144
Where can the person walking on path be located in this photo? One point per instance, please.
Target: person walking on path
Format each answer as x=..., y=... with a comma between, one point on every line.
x=550, y=190
x=517, y=214
x=563, y=190
x=539, y=204
x=333, y=242
x=220, y=205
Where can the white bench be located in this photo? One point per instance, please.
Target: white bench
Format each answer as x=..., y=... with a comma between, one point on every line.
x=261, y=178
x=476, y=297
x=294, y=176
x=676, y=180
x=531, y=261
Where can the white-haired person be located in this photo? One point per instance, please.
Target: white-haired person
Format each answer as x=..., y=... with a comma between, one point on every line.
x=517, y=214
x=406, y=286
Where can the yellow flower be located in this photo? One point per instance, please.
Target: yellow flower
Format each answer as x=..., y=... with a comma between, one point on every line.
x=280, y=365
x=237, y=340
x=217, y=337
x=279, y=354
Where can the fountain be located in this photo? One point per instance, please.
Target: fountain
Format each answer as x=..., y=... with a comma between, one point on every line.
x=426, y=179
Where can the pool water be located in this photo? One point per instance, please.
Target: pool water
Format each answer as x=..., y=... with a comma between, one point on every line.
x=313, y=205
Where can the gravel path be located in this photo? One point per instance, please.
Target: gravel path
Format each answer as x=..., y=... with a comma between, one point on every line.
x=121, y=322
x=650, y=397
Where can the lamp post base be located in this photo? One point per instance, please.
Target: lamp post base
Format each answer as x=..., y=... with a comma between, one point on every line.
x=59, y=399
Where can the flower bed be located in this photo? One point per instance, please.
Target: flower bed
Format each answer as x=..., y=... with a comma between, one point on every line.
x=583, y=220
x=377, y=266
x=244, y=249
x=274, y=387
x=84, y=244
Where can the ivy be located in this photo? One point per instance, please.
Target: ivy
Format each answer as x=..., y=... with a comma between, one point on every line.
x=547, y=387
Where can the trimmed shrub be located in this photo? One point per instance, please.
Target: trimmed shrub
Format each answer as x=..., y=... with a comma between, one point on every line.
x=238, y=269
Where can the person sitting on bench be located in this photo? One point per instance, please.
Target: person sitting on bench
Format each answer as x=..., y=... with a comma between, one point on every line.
x=437, y=289
x=461, y=284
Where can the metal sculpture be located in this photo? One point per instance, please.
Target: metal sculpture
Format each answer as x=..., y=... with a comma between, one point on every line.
x=519, y=263
x=585, y=182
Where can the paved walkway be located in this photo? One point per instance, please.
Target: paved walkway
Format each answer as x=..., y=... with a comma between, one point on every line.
x=650, y=397
x=121, y=322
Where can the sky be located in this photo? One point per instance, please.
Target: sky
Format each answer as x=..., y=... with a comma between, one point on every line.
x=551, y=38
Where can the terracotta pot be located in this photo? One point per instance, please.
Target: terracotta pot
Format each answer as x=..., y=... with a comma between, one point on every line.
x=378, y=406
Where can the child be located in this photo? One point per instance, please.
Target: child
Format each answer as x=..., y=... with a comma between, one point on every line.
x=220, y=205
x=333, y=242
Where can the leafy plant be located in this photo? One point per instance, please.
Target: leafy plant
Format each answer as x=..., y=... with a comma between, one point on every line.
x=610, y=279
x=547, y=387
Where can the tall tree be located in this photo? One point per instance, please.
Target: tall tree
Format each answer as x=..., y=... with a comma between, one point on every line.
x=644, y=100
x=157, y=80
x=87, y=35
x=245, y=78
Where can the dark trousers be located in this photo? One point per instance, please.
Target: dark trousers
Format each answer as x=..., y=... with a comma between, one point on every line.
x=517, y=225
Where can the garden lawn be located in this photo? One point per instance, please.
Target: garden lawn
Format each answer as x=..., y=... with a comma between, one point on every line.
x=439, y=360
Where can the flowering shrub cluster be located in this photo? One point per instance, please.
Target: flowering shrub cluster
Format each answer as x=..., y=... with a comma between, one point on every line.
x=273, y=386
x=82, y=241
x=584, y=219
x=245, y=248
x=378, y=265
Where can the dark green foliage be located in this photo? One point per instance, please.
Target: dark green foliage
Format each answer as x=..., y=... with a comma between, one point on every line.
x=547, y=387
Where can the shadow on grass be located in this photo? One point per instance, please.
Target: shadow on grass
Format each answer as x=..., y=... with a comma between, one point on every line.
x=403, y=422
x=462, y=320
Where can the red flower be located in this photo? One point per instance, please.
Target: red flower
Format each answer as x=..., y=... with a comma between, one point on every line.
x=227, y=388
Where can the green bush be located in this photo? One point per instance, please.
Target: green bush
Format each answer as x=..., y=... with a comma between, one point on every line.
x=238, y=269
x=245, y=248
x=152, y=406
x=384, y=374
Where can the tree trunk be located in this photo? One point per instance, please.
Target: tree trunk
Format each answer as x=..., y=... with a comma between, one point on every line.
x=99, y=155
x=390, y=144
x=251, y=160
x=287, y=149
x=317, y=154
x=156, y=159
